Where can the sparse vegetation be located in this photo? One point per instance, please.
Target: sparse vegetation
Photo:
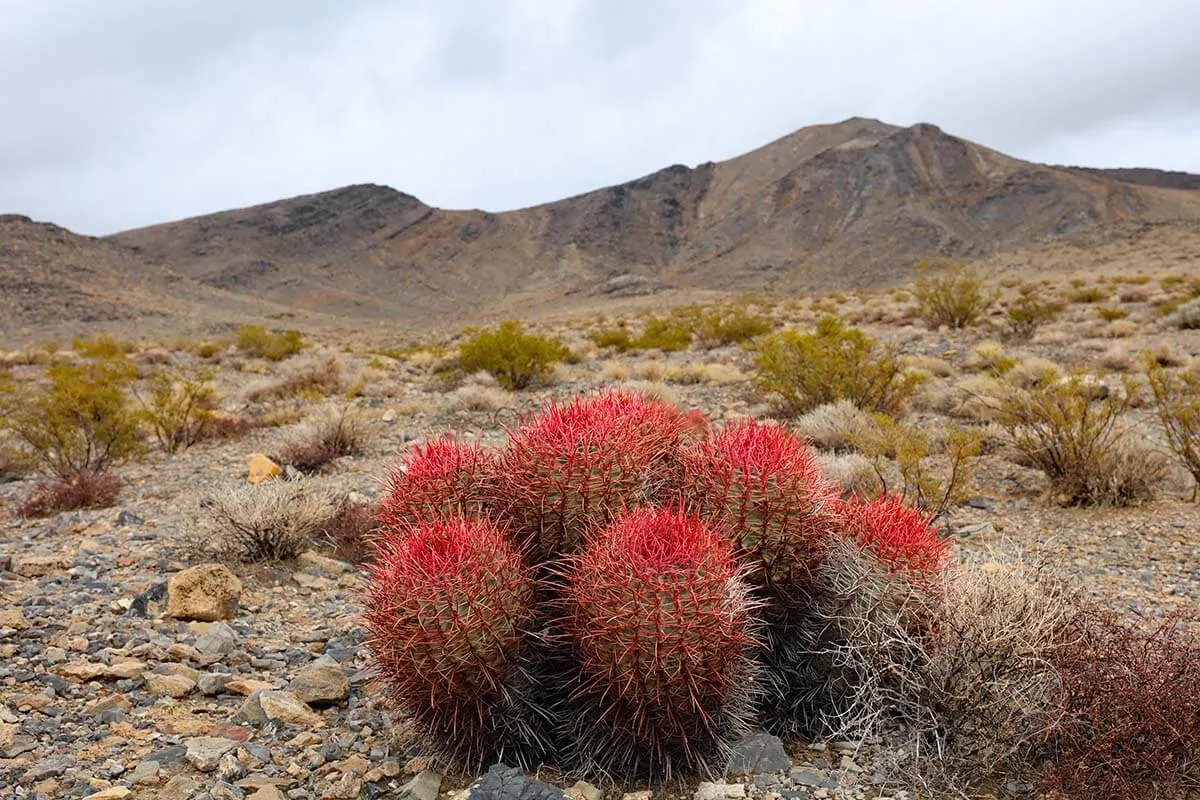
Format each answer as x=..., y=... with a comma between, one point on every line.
x=803, y=371
x=257, y=341
x=517, y=360
x=274, y=520
x=331, y=436
x=717, y=327
x=1186, y=316
x=1031, y=309
x=1177, y=401
x=83, y=490
x=104, y=346
x=179, y=408
x=955, y=296
x=312, y=378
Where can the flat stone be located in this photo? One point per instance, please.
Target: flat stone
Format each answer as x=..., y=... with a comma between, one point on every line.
x=181, y=787
x=330, y=566
x=582, y=790
x=247, y=686
x=47, y=768
x=813, y=778
x=348, y=787
x=217, y=641
x=204, y=752
x=114, y=793
x=212, y=683
x=126, y=670
x=719, y=791
x=425, y=786
x=757, y=754
x=144, y=774
x=13, y=618
x=502, y=782
x=321, y=681
x=41, y=566
x=267, y=792
x=108, y=704
x=170, y=685
x=208, y=592
x=285, y=707
x=82, y=670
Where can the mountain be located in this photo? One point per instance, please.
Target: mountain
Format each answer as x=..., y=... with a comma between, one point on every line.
x=830, y=206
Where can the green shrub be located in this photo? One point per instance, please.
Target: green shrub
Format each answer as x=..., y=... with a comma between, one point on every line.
x=616, y=337
x=666, y=335
x=1111, y=313
x=956, y=297
x=257, y=341
x=719, y=327
x=1030, y=310
x=179, y=408
x=81, y=422
x=1087, y=294
x=1177, y=400
x=103, y=346
x=1074, y=431
x=806, y=370
x=517, y=360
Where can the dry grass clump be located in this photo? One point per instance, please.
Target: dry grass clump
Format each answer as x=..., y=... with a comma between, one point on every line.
x=990, y=357
x=835, y=426
x=1134, y=294
x=475, y=397
x=1116, y=358
x=1186, y=316
x=1079, y=438
x=654, y=390
x=271, y=521
x=1119, y=329
x=1034, y=371
x=81, y=490
x=648, y=371
x=933, y=365
x=319, y=443
x=852, y=473
x=349, y=532
x=311, y=378
x=615, y=371
x=723, y=374
x=15, y=463
x=104, y=346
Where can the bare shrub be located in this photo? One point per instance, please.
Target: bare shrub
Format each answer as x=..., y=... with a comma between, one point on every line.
x=350, y=531
x=1029, y=311
x=474, y=397
x=1034, y=371
x=179, y=408
x=271, y=521
x=1177, y=401
x=853, y=473
x=1186, y=316
x=833, y=426
x=82, y=490
x=1078, y=437
x=312, y=377
x=331, y=436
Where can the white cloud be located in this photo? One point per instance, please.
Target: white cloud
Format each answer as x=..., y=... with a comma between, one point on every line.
x=130, y=112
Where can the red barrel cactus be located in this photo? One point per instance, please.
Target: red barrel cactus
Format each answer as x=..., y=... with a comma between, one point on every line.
x=659, y=621
x=569, y=469
x=763, y=488
x=900, y=536
x=442, y=477
x=448, y=615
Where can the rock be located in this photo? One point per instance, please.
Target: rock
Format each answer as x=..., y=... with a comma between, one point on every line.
x=127, y=518
x=47, y=768
x=719, y=791
x=285, y=707
x=268, y=792
x=208, y=592
x=126, y=670
x=971, y=530
x=41, y=566
x=109, y=704
x=247, y=686
x=82, y=670
x=348, y=787
x=425, y=786
x=320, y=563
x=321, y=681
x=218, y=640
x=756, y=754
x=181, y=787
x=144, y=774
x=502, y=782
x=13, y=618
x=1015, y=786
x=212, y=683
x=261, y=469
x=204, y=752
x=582, y=790
x=169, y=685
x=115, y=793
x=813, y=778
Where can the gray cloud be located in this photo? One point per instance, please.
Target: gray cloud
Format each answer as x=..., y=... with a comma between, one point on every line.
x=130, y=112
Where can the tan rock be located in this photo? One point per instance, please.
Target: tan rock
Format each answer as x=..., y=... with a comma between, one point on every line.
x=247, y=686
x=13, y=618
x=262, y=469
x=330, y=566
x=126, y=670
x=267, y=792
x=170, y=685
x=115, y=793
x=206, y=592
x=41, y=566
x=285, y=707
x=82, y=670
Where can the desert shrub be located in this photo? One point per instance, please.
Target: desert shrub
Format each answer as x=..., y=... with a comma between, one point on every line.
x=1031, y=309
x=319, y=443
x=15, y=463
x=1087, y=294
x=833, y=426
x=617, y=337
x=350, y=532
x=1186, y=316
x=208, y=350
x=273, y=520
x=667, y=335
x=990, y=357
x=904, y=460
x=474, y=397
x=1177, y=401
x=104, y=346
x=1076, y=434
x=956, y=297
x=1119, y=329
x=1031, y=372
x=312, y=377
x=80, y=422
x=803, y=371
x=716, y=327
x=1129, y=711
x=516, y=359
x=1134, y=294
x=1111, y=313
x=179, y=408
x=257, y=341
x=852, y=473
x=82, y=490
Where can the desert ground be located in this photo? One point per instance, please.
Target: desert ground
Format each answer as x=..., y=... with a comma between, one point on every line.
x=106, y=691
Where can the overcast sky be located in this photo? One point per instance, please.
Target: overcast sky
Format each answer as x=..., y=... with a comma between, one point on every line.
x=121, y=113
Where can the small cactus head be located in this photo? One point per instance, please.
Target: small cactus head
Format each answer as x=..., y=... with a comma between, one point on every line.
x=899, y=535
x=569, y=469
x=448, y=615
x=763, y=488
x=661, y=626
x=443, y=477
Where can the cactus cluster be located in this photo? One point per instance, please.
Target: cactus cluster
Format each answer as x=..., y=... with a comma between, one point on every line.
x=621, y=590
